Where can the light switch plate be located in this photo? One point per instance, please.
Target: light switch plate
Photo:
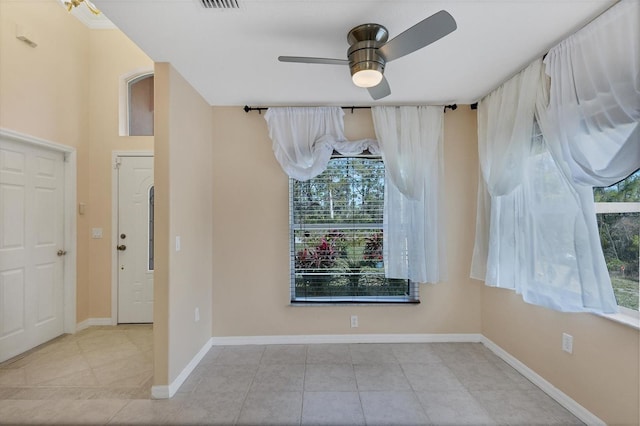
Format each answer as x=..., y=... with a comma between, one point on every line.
x=96, y=232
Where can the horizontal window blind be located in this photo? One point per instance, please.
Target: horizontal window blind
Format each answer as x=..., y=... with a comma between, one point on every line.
x=336, y=236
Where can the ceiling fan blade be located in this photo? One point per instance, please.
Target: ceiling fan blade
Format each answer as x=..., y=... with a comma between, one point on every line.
x=420, y=35
x=307, y=60
x=381, y=90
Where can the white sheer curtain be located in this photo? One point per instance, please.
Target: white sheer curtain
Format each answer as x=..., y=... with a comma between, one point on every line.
x=505, y=131
x=592, y=125
x=594, y=106
x=537, y=233
x=532, y=235
x=304, y=138
x=410, y=140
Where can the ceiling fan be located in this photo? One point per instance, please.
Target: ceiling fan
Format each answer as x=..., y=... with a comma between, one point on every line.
x=369, y=50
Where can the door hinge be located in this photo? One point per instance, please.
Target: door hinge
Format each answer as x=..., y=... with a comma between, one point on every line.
x=116, y=164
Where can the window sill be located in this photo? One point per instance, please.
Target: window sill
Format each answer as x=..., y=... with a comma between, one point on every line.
x=368, y=301
x=626, y=317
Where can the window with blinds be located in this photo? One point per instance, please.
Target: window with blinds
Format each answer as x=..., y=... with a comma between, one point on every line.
x=336, y=236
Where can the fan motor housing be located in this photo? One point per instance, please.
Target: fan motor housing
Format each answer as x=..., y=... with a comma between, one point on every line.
x=365, y=40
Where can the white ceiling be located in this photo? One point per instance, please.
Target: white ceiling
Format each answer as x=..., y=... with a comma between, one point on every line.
x=230, y=56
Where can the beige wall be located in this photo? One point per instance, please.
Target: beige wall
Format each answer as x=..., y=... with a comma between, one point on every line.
x=112, y=55
x=183, y=174
x=66, y=90
x=251, y=239
x=44, y=92
x=602, y=373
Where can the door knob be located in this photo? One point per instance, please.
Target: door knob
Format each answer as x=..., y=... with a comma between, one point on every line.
x=122, y=247
x=61, y=252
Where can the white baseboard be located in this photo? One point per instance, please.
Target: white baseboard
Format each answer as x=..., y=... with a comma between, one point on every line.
x=167, y=391
x=562, y=398
x=345, y=338
x=93, y=321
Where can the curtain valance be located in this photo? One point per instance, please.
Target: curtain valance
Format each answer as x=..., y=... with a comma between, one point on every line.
x=304, y=139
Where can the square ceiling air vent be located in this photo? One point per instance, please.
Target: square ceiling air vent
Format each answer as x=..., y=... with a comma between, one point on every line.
x=219, y=4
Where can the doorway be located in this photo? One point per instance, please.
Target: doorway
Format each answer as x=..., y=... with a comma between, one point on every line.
x=133, y=239
x=37, y=242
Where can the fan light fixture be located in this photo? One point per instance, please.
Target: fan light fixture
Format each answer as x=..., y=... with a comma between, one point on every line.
x=70, y=4
x=367, y=78
x=370, y=49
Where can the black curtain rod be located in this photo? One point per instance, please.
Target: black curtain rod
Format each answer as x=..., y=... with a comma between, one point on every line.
x=247, y=108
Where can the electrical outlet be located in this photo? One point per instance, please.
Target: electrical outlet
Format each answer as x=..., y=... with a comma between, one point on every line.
x=196, y=315
x=354, y=321
x=567, y=343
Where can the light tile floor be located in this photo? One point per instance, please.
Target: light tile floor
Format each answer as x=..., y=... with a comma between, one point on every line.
x=103, y=375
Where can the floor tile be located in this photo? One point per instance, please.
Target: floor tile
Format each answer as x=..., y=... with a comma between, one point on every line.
x=329, y=354
x=128, y=372
x=34, y=393
x=271, y=408
x=284, y=354
x=54, y=366
x=518, y=379
x=279, y=377
x=523, y=407
x=12, y=377
x=144, y=412
x=330, y=377
x=226, y=378
x=431, y=377
x=453, y=408
x=332, y=408
x=370, y=377
x=103, y=340
x=212, y=355
x=250, y=354
x=104, y=374
x=392, y=408
x=80, y=378
x=481, y=376
x=422, y=353
x=27, y=411
x=456, y=353
x=372, y=354
x=87, y=412
x=111, y=354
x=217, y=408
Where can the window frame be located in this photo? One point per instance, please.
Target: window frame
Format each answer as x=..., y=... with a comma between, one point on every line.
x=412, y=296
x=124, y=93
x=625, y=315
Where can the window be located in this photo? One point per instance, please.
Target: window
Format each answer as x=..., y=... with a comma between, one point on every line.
x=336, y=236
x=618, y=214
x=136, y=103
x=141, y=106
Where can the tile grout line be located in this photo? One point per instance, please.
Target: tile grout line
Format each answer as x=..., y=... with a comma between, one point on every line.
x=304, y=382
x=246, y=394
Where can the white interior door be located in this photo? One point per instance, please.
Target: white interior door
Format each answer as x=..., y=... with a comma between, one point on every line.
x=135, y=240
x=31, y=247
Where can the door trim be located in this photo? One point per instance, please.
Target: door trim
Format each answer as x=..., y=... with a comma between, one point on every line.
x=115, y=155
x=70, y=220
